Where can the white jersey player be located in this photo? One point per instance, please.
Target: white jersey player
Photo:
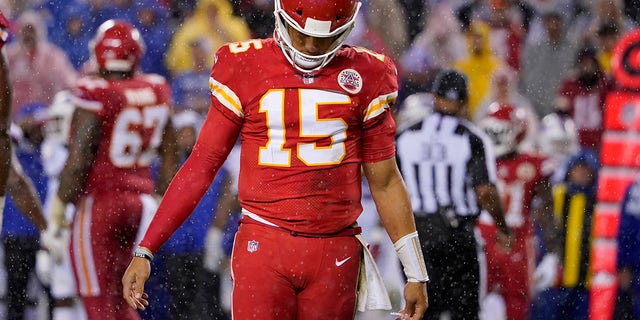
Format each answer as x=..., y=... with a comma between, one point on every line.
x=55, y=267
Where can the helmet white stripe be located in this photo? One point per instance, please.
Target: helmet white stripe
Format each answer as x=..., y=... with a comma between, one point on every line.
x=313, y=28
x=317, y=26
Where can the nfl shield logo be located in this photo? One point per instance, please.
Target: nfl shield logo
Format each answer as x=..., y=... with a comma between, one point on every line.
x=252, y=246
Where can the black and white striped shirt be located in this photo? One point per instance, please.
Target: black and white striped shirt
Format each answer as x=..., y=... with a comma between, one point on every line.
x=442, y=159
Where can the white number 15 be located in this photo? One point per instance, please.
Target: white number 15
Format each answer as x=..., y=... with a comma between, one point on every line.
x=311, y=126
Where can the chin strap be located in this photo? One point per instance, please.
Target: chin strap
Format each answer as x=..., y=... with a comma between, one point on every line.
x=410, y=254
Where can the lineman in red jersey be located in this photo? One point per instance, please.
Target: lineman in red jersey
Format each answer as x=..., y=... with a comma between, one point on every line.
x=308, y=120
x=521, y=178
x=121, y=121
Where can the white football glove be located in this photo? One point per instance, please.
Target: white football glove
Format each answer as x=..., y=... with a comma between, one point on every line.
x=56, y=241
x=213, y=253
x=546, y=272
x=493, y=307
x=43, y=267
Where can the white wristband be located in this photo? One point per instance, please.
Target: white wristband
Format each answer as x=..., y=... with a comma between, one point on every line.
x=142, y=252
x=410, y=254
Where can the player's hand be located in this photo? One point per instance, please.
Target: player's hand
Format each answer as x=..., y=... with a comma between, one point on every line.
x=133, y=283
x=56, y=241
x=415, y=295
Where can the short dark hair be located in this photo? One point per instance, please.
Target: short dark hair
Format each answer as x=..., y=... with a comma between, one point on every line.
x=451, y=85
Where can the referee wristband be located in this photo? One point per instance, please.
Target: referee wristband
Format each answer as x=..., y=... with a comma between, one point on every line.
x=410, y=254
x=141, y=252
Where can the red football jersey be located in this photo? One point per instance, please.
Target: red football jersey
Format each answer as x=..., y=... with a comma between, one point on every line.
x=517, y=180
x=134, y=113
x=304, y=137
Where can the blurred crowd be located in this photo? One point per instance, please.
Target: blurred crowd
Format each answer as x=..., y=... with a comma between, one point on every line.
x=551, y=59
x=526, y=52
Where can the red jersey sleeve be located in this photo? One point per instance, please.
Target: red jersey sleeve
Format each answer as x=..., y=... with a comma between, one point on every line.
x=90, y=94
x=378, y=138
x=215, y=141
x=379, y=128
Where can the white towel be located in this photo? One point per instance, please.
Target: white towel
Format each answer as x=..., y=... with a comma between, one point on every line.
x=372, y=293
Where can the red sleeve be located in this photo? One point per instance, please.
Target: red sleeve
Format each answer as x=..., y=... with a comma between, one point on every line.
x=378, y=138
x=379, y=130
x=216, y=139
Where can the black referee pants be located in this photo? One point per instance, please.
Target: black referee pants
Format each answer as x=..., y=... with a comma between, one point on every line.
x=451, y=257
x=19, y=261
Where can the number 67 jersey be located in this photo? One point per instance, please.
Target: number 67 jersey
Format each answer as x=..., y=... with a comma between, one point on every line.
x=304, y=136
x=134, y=113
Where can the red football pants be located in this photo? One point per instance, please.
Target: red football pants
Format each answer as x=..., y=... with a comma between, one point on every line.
x=103, y=235
x=510, y=273
x=280, y=276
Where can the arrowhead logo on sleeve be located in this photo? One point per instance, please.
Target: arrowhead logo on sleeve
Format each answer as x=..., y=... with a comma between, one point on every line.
x=350, y=80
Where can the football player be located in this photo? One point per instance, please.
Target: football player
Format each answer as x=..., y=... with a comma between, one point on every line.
x=121, y=122
x=310, y=113
x=521, y=178
x=54, y=265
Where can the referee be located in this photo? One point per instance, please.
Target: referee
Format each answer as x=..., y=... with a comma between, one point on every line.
x=450, y=172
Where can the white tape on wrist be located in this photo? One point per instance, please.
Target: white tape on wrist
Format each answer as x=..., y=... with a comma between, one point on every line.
x=410, y=254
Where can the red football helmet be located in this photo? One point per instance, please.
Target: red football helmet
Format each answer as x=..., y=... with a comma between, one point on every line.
x=117, y=46
x=506, y=126
x=315, y=18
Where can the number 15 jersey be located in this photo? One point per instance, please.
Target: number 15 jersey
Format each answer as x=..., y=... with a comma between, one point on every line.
x=304, y=137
